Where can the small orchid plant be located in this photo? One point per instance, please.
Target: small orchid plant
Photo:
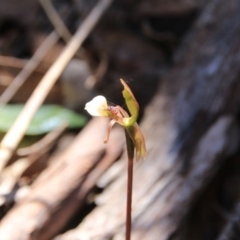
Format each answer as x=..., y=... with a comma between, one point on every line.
x=134, y=137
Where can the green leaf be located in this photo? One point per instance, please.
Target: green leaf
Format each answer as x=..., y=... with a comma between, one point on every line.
x=46, y=119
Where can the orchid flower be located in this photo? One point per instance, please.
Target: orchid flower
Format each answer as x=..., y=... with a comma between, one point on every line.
x=134, y=137
x=99, y=107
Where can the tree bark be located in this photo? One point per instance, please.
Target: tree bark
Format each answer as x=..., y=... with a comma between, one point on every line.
x=232, y=229
x=161, y=7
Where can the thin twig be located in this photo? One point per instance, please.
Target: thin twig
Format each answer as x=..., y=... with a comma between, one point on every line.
x=17, y=131
x=7, y=61
x=28, y=69
x=46, y=142
x=63, y=31
x=56, y=20
x=9, y=178
x=45, y=47
x=94, y=79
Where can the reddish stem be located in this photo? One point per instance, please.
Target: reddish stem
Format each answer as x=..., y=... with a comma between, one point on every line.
x=130, y=151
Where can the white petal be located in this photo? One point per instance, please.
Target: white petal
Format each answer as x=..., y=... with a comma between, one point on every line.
x=97, y=107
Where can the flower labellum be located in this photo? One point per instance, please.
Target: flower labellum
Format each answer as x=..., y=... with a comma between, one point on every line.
x=97, y=107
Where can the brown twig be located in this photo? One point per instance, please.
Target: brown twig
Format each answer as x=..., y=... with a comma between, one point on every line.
x=63, y=31
x=29, y=68
x=7, y=61
x=10, y=177
x=45, y=47
x=17, y=131
x=94, y=79
x=45, y=142
x=58, y=23
x=56, y=20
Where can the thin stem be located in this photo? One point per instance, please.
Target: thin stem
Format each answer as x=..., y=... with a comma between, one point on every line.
x=130, y=152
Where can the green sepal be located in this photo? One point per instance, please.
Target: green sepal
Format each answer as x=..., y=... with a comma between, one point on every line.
x=131, y=103
x=138, y=139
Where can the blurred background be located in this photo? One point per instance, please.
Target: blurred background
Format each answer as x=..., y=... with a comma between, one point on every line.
x=182, y=61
